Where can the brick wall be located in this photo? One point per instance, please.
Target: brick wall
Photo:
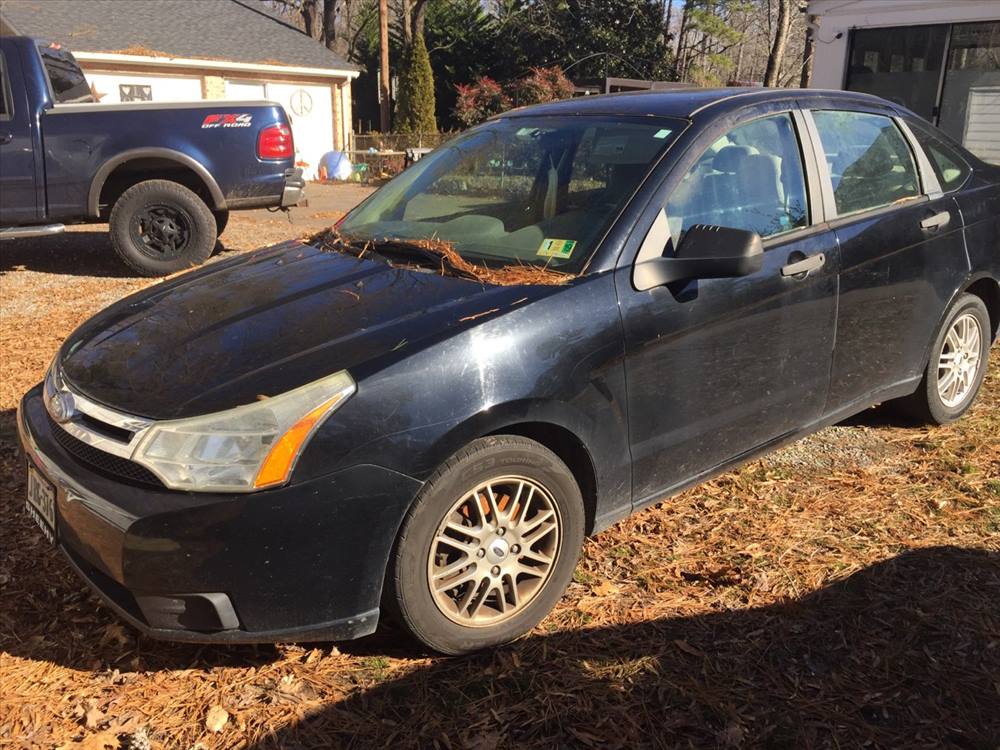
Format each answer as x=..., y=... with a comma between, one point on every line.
x=213, y=87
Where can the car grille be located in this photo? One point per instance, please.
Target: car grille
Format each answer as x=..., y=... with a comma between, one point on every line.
x=105, y=463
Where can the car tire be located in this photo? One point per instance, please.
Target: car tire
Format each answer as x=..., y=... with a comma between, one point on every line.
x=508, y=491
x=221, y=221
x=159, y=227
x=943, y=395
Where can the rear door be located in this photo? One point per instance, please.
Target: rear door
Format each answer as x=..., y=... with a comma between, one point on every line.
x=902, y=252
x=718, y=367
x=18, y=196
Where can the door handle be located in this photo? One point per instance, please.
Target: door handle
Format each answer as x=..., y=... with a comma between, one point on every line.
x=6, y=138
x=937, y=221
x=812, y=263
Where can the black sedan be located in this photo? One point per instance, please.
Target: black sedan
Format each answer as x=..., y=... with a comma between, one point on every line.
x=550, y=322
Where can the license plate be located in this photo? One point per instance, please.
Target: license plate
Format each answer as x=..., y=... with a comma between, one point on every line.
x=41, y=502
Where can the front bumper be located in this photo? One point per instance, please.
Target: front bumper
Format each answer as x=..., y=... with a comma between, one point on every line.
x=302, y=562
x=295, y=187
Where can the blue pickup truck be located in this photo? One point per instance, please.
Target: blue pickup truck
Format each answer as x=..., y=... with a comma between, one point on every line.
x=164, y=176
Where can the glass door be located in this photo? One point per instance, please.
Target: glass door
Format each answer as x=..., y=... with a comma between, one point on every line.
x=901, y=64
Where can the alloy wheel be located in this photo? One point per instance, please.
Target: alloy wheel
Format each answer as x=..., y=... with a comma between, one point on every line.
x=493, y=551
x=958, y=365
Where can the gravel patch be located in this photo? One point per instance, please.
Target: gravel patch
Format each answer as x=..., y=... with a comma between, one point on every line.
x=837, y=447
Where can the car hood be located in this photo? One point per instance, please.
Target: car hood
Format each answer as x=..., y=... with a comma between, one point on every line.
x=265, y=323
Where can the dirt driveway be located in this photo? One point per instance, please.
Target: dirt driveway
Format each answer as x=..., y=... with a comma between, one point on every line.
x=841, y=593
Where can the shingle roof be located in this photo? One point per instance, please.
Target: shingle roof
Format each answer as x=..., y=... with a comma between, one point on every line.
x=235, y=30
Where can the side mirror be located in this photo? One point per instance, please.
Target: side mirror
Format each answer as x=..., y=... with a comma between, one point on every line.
x=705, y=252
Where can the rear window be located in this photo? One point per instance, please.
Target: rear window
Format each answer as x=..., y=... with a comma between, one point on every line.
x=870, y=163
x=68, y=83
x=947, y=163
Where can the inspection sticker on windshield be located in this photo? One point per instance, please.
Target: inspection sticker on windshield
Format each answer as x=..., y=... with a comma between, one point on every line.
x=556, y=248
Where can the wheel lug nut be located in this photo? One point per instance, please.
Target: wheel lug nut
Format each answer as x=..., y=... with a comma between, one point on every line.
x=481, y=553
x=516, y=548
x=501, y=532
x=495, y=570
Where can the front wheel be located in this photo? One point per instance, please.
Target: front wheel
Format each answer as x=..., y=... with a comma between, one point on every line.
x=159, y=227
x=488, y=547
x=957, y=365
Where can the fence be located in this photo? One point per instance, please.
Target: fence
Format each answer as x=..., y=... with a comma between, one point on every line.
x=384, y=154
x=398, y=141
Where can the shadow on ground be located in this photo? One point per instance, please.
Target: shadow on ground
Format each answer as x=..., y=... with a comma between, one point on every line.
x=903, y=654
x=75, y=253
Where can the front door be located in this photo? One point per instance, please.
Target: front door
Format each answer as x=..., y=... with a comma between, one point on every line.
x=718, y=367
x=18, y=197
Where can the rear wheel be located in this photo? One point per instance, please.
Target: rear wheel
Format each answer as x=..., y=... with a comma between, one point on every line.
x=159, y=227
x=488, y=547
x=957, y=365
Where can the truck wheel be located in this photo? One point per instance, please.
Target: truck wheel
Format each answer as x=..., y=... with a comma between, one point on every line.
x=488, y=547
x=159, y=227
x=221, y=220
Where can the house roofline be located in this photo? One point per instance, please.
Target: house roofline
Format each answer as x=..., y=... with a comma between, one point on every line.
x=193, y=62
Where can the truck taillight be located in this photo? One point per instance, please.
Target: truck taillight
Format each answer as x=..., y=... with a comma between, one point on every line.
x=275, y=142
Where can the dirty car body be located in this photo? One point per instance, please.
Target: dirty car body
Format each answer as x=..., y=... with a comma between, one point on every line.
x=642, y=374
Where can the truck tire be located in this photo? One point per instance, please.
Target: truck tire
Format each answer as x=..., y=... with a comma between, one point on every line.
x=159, y=227
x=221, y=220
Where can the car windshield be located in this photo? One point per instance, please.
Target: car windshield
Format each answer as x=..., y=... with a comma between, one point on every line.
x=521, y=190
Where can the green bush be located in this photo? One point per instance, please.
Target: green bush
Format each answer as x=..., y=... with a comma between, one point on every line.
x=415, y=101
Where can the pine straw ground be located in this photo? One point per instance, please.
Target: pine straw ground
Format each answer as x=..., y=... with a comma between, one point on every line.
x=843, y=593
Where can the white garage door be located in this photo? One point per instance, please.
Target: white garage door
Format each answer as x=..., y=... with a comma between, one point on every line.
x=113, y=88
x=309, y=109
x=245, y=91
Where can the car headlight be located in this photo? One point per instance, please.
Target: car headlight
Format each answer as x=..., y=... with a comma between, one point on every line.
x=247, y=448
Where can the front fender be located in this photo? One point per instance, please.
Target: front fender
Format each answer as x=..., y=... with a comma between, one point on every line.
x=557, y=360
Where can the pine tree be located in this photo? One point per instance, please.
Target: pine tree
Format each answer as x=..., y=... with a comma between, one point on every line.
x=415, y=101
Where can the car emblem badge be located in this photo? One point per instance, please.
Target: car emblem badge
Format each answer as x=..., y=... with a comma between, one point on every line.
x=500, y=550
x=61, y=407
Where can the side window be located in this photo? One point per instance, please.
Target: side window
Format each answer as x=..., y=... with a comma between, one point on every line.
x=950, y=168
x=870, y=162
x=751, y=178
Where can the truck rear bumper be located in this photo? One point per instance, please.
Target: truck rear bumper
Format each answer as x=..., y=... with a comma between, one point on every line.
x=295, y=186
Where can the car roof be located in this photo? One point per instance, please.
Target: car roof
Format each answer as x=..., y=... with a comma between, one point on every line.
x=683, y=103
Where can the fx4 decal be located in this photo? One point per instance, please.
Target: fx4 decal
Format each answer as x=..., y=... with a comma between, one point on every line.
x=227, y=121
